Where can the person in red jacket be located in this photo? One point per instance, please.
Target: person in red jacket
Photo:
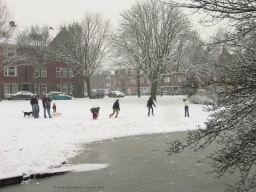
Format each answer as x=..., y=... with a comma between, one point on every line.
x=95, y=112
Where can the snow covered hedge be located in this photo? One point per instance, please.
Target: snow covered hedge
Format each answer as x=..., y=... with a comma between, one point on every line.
x=200, y=99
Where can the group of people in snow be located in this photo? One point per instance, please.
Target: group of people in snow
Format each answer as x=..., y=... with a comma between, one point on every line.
x=46, y=102
x=116, y=108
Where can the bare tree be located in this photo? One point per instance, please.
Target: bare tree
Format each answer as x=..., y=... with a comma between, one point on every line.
x=8, y=56
x=193, y=62
x=84, y=45
x=149, y=33
x=233, y=123
x=8, y=29
x=98, y=78
x=126, y=55
x=33, y=44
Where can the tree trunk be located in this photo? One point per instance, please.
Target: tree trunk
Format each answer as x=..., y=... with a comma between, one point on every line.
x=138, y=80
x=154, y=90
x=88, y=83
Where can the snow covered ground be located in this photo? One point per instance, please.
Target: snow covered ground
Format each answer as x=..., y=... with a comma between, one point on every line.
x=29, y=145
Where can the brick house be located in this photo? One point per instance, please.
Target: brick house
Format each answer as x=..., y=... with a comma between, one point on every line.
x=126, y=82
x=53, y=76
x=103, y=82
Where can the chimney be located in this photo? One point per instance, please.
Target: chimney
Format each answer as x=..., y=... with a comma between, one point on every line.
x=12, y=23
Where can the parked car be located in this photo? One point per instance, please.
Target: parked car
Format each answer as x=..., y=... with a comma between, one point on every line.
x=97, y=95
x=115, y=94
x=166, y=93
x=58, y=96
x=179, y=92
x=19, y=95
x=145, y=93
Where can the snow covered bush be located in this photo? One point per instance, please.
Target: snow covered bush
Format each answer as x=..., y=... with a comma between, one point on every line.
x=200, y=99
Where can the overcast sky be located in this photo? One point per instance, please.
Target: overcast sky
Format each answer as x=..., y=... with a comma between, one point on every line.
x=56, y=12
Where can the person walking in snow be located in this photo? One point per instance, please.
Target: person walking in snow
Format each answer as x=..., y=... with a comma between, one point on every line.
x=150, y=104
x=95, y=112
x=116, y=108
x=186, y=107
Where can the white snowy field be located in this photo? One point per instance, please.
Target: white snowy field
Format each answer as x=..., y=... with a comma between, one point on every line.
x=29, y=145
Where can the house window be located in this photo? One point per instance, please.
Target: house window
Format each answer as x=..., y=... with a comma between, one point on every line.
x=58, y=72
x=70, y=88
x=6, y=88
x=14, y=88
x=133, y=72
x=65, y=72
x=108, y=78
x=10, y=71
x=43, y=72
x=133, y=81
x=43, y=88
x=10, y=54
x=10, y=88
x=142, y=80
x=179, y=79
x=127, y=81
x=145, y=89
x=26, y=74
x=167, y=79
x=70, y=73
x=36, y=73
x=58, y=88
x=10, y=51
x=108, y=84
x=64, y=88
x=35, y=89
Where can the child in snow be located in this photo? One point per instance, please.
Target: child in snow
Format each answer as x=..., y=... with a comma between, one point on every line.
x=54, y=108
x=186, y=107
x=95, y=112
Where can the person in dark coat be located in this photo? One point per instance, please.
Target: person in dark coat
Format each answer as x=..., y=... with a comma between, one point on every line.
x=186, y=107
x=150, y=104
x=35, y=107
x=95, y=112
x=46, y=105
x=116, y=108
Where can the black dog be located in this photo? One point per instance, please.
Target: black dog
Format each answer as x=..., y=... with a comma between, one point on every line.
x=28, y=114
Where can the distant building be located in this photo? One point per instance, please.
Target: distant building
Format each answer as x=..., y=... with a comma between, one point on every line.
x=126, y=81
x=102, y=82
x=53, y=76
